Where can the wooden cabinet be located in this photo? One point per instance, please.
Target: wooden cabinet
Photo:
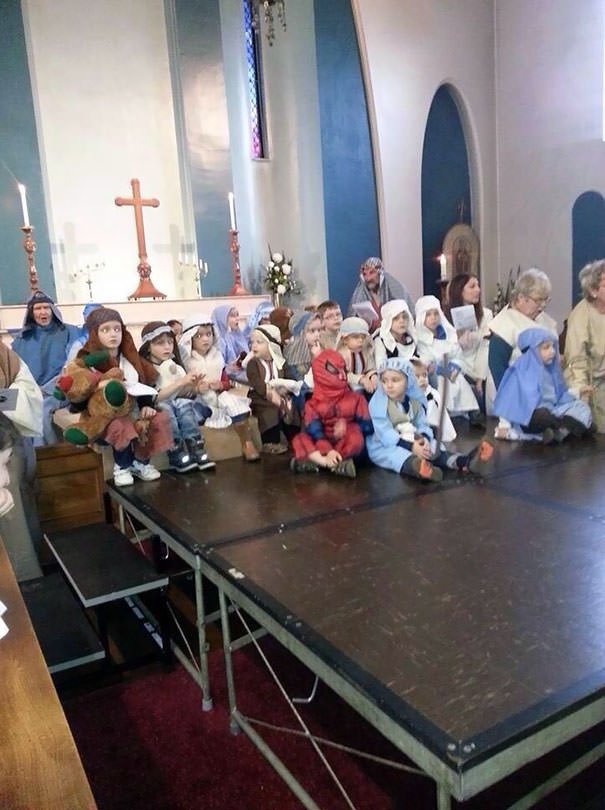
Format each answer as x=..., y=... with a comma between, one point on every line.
x=69, y=486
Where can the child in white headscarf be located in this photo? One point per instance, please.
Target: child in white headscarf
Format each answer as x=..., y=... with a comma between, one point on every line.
x=396, y=336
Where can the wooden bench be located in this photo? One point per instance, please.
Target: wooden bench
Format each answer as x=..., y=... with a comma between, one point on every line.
x=102, y=566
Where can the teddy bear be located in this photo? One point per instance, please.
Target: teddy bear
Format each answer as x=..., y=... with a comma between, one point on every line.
x=99, y=397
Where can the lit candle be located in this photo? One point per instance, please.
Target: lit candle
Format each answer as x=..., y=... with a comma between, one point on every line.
x=205, y=268
x=443, y=266
x=24, y=205
x=232, y=219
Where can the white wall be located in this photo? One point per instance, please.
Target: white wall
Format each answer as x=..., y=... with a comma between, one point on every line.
x=411, y=49
x=280, y=200
x=104, y=111
x=550, y=98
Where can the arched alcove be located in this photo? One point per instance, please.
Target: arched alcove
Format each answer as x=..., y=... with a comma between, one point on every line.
x=445, y=181
x=588, y=235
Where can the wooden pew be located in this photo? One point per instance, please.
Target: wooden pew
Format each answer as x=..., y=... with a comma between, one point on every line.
x=39, y=763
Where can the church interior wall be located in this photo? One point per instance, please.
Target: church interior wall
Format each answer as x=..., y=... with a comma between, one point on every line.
x=550, y=147
x=411, y=49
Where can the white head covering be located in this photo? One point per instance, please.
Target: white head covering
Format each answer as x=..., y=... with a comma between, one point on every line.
x=389, y=311
x=272, y=337
x=423, y=305
x=353, y=326
x=190, y=327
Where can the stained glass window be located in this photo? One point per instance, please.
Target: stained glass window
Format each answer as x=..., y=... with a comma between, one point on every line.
x=256, y=107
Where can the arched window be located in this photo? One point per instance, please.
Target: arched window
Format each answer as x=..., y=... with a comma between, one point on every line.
x=256, y=106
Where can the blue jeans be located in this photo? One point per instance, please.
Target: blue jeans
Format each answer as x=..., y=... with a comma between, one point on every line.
x=184, y=418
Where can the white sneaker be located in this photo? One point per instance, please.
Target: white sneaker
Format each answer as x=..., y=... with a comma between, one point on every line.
x=146, y=472
x=122, y=476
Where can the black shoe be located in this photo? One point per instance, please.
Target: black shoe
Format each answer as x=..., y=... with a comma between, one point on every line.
x=303, y=466
x=476, y=419
x=345, y=468
x=180, y=459
x=198, y=453
x=574, y=426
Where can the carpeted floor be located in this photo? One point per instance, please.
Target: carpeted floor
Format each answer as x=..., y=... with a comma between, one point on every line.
x=145, y=743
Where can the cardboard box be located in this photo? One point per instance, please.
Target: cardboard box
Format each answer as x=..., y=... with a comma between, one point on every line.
x=222, y=443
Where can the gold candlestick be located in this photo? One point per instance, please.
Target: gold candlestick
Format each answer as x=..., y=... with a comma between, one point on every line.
x=29, y=246
x=237, y=288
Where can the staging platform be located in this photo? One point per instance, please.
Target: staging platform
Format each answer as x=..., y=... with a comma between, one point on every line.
x=465, y=621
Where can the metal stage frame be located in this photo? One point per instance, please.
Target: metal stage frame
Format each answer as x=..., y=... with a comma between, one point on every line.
x=530, y=548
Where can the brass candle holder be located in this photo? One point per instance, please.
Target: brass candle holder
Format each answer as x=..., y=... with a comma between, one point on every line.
x=29, y=246
x=236, y=288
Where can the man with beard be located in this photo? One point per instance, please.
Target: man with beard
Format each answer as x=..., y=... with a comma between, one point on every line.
x=376, y=287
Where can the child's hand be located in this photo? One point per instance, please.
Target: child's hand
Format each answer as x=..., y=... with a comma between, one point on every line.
x=315, y=349
x=585, y=392
x=190, y=379
x=273, y=397
x=369, y=383
x=147, y=412
x=340, y=428
x=202, y=384
x=333, y=458
x=421, y=448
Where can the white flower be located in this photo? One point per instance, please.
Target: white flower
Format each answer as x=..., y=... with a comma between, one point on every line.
x=270, y=266
x=286, y=269
x=281, y=289
x=277, y=257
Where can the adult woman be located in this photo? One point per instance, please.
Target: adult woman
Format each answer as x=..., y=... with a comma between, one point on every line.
x=464, y=290
x=530, y=295
x=584, y=360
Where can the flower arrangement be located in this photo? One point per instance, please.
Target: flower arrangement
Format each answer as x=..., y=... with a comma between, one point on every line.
x=279, y=278
x=503, y=294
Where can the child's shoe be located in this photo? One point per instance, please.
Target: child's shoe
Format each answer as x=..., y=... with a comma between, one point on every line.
x=198, y=453
x=181, y=460
x=122, y=477
x=303, y=466
x=345, y=468
x=479, y=458
x=146, y=472
x=421, y=468
x=476, y=419
x=274, y=448
x=574, y=426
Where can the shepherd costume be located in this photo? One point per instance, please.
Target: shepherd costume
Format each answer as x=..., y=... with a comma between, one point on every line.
x=533, y=395
x=388, y=290
x=385, y=345
x=331, y=407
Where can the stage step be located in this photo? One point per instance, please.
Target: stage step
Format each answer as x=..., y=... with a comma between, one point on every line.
x=64, y=633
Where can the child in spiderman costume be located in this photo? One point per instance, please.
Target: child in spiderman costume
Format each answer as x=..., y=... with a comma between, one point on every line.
x=335, y=421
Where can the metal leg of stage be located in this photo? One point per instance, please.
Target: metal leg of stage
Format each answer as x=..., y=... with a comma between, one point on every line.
x=201, y=640
x=444, y=800
x=237, y=720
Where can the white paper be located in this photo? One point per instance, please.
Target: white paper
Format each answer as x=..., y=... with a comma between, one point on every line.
x=464, y=317
x=366, y=311
x=137, y=389
x=293, y=386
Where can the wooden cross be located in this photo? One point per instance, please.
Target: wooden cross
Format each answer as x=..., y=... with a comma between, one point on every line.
x=145, y=288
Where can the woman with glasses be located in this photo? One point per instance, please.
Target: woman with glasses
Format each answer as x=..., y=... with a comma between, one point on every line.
x=529, y=297
x=584, y=360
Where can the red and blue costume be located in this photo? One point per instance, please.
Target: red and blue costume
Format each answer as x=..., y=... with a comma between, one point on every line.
x=334, y=418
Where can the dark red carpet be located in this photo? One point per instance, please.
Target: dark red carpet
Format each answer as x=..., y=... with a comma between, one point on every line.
x=146, y=744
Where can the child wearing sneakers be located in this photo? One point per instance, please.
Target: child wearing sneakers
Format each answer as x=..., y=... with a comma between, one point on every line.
x=177, y=392
x=533, y=396
x=402, y=440
x=335, y=421
x=131, y=452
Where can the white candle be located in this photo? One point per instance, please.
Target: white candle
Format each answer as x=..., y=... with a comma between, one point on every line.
x=24, y=205
x=205, y=268
x=232, y=219
x=443, y=266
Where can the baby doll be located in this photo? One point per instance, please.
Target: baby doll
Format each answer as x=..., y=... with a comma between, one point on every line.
x=176, y=396
x=271, y=402
x=396, y=336
x=335, y=421
x=437, y=346
x=433, y=402
x=533, y=395
x=200, y=355
x=355, y=345
x=402, y=440
x=131, y=449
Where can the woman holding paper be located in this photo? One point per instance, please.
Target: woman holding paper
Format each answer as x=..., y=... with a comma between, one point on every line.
x=471, y=321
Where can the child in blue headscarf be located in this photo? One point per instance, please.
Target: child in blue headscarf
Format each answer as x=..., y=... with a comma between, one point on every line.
x=402, y=440
x=533, y=395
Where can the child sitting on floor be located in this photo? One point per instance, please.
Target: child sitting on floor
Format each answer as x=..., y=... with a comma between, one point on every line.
x=131, y=450
x=437, y=346
x=271, y=401
x=335, y=421
x=533, y=396
x=402, y=440
x=396, y=336
x=433, y=402
x=177, y=391
x=355, y=345
x=200, y=355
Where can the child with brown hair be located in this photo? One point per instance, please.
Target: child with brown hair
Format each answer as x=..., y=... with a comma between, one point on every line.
x=355, y=345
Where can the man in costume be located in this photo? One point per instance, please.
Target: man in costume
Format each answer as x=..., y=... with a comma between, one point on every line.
x=376, y=286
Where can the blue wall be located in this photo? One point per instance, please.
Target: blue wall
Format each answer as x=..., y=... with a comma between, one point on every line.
x=351, y=212
x=588, y=235
x=19, y=160
x=201, y=68
x=445, y=181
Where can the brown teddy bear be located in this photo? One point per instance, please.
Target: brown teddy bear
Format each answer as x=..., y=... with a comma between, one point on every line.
x=98, y=397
